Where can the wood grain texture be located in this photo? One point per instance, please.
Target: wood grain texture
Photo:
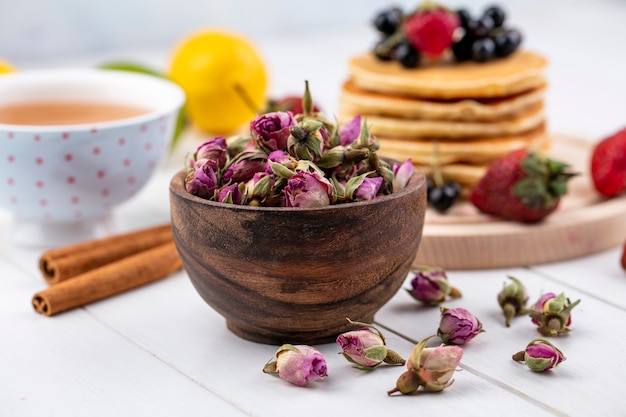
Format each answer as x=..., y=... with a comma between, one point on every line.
x=584, y=223
x=294, y=275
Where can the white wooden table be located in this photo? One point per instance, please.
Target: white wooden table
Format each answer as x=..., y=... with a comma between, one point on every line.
x=161, y=351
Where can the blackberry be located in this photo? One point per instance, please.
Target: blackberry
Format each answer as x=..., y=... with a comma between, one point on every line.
x=442, y=197
x=462, y=49
x=464, y=17
x=483, y=50
x=497, y=15
x=388, y=21
x=506, y=42
x=407, y=55
x=482, y=27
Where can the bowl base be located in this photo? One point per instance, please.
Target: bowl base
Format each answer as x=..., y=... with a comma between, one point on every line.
x=279, y=337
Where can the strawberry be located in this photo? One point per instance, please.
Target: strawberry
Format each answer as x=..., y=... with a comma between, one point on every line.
x=523, y=186
x=608, y=164
x=430, y=31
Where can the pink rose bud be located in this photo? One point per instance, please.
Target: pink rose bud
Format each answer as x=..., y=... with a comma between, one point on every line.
x=308, y=190
x=512, y=300
x=430, y=368
x=214, y=149
x=368, y=190
x=202, y=181
x=430, y=286
x=540, y=355
x=350, y=131
x=366, y=347
x=271, y=130
x=280, y=163
x=230, y=194
x=458, y=326
x=402, y=173
x=552, y=314
x=298, y=364
x=243, y=170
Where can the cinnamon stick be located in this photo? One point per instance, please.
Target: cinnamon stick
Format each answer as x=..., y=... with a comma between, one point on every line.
x=59, y=264
x=111, y=279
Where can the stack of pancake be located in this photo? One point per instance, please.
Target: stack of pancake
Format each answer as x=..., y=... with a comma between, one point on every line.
x=472, y=112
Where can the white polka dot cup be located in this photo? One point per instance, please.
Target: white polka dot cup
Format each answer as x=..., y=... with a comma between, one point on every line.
x=75, y=172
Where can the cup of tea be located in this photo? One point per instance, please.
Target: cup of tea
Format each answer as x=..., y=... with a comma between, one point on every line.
x=75, y=143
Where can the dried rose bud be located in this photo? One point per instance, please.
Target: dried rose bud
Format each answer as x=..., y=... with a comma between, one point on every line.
x=202, y=181
x=362, y=187
x=306, y=140
x=458, y=326
x=552, y=314
x=540, y=355
x=366, y=347
x=402, y=173
x=214, y=149
x=281, y=158
x=258, y=188
x=512, y=300
x=308, y=189
x=430, y=286
x=297, y=364
x=271, y=130
x=350, y=131
x=430, y=368
x=231, y=194
x=244, y=167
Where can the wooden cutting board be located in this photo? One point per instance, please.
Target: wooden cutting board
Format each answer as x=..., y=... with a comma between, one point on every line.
x=584, y=223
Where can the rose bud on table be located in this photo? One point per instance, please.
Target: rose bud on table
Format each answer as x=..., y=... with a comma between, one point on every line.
x=430, y=286
x=431, y=368
x=512, y=300
x=366, y=347
x=540, y=355
x=458, y=326
x=298, y=364
x=552, y=314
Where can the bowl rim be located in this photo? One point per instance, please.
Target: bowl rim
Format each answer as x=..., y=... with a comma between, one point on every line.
x=416, y=182
x=51, y=74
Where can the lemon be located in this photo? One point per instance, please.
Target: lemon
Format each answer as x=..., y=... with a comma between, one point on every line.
x=224, y=78
x=5, y=67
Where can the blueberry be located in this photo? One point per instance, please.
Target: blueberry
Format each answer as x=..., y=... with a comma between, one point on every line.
x=483, y=49
x=507, y=42
x=407, y=55
x=497, y=15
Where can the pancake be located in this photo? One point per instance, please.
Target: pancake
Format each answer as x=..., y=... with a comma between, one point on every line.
x=519, y=72
x=476, y=151
x=361, y=101
x=421, y=128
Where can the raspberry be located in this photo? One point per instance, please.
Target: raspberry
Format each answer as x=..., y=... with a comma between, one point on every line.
x=431, y=32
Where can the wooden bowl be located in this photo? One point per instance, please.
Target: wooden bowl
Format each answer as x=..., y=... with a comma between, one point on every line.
x=293, y=275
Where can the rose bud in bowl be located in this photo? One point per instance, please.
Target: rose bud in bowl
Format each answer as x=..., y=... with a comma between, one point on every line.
x=75, y=143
